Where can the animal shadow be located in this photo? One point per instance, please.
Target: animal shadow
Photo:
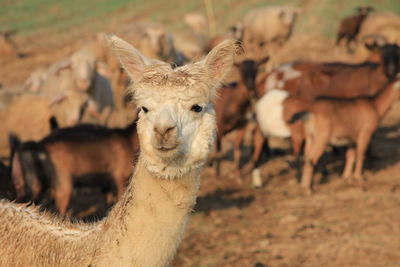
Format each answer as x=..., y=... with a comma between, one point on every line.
x=222, y=199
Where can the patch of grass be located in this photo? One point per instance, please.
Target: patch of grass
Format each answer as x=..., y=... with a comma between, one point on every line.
x=30, y=16
x=27, y=16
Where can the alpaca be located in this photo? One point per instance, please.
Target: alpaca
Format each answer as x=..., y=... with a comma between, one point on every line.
x=176, y=129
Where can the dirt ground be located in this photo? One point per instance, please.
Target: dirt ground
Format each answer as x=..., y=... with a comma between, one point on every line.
x=340, y=224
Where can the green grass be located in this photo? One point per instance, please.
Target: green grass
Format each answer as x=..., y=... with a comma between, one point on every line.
x=61, y=16
x=327, y=14
x=41, y=14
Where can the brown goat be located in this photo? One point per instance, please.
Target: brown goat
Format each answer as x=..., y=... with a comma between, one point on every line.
x=350, y=26
x=312, y=79
x=72, y=153
x=233, y=107
x=307, y=81
x=8, y=48
x=343, y=122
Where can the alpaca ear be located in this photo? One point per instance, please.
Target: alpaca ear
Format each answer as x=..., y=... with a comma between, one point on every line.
x=130, y=58
x=220, y=59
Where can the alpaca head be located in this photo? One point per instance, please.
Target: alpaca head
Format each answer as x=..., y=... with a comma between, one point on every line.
x=176, y=123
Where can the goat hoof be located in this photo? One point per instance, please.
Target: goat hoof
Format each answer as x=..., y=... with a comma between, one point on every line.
x=237, y=177
x=307, y=191
x=257, y=186
x=256, y=179
x=348, y=179
x=239, y=180
x=359, y=179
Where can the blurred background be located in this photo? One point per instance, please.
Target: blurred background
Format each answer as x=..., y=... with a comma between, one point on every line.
x=63, y=103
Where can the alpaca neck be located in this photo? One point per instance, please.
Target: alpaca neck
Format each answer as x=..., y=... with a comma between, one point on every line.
x=386, y=97
x=150, y=219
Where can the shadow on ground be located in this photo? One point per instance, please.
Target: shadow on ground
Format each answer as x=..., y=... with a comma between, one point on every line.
x=222, y=199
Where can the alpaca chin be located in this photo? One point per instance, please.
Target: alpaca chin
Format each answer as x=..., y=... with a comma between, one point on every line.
x=171, y=164
x=170, y=154
x=169, y=151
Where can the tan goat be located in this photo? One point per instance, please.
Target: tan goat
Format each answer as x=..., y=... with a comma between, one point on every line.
x=343, y=122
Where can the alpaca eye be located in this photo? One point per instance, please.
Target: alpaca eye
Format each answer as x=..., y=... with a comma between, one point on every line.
x=196, y=108
x=145, y=110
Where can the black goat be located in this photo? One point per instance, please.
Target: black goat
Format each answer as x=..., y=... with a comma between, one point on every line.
x=62, y=160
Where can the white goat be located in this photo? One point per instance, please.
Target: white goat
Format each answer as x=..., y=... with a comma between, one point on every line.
x=269, y=113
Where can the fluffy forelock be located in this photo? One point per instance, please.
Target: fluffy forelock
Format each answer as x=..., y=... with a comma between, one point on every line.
x=161, y=76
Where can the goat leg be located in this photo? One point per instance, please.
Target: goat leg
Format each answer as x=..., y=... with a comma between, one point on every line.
x=62, y=197
x=339, y=37
x=350, y=159
x=237, y=151
x=218, y=157
x=314, y=151
x=362, y=145
x=297, y=132
x=258, y=144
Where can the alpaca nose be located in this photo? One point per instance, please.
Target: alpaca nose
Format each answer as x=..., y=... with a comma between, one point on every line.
x=162, y=132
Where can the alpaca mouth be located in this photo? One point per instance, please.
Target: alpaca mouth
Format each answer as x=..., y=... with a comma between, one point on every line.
x=167, y=148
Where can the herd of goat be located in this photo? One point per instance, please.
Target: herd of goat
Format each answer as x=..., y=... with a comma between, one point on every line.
x=79, y=129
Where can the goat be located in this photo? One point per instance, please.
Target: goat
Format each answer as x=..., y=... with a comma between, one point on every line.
x=98, y=150
x=80, y=72
x=233, y=105
x=269, y=24
x=350, y=26
x=343, y=122
x=8, y=47
x=32, y=123
x=30, y=168
x=312, y=79
x=154, y=41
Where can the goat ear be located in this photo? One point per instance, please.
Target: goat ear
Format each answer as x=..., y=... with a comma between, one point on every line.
x=53, y=123
x=233, y=29
x=372, y=46
x=130, y=58
x=58, y=99
x=221, y=58
x=63, y=65
x=14, y=142
x=262, y=61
